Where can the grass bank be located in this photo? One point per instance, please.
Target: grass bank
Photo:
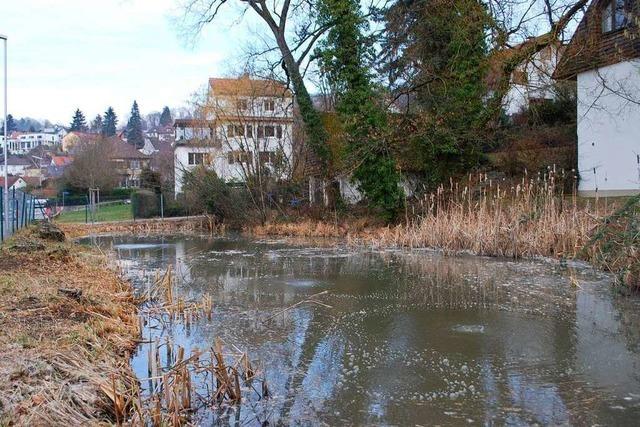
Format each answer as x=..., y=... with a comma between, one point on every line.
x=112, y=212
x=67, y=325
x=188, y=224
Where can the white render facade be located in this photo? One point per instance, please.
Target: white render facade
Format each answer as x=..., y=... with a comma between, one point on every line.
x=247, y=130
x=609, y=130
x=24, y=142
x=532, y=81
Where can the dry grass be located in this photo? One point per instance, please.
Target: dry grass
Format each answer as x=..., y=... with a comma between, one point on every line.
x=68, y=324
x=141, y=227
x=528, y=218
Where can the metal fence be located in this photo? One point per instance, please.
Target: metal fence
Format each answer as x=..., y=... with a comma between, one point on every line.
x=21, y=210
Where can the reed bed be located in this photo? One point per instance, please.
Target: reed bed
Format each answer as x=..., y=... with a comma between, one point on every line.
x=178, y=386
x=526, y=218
x=532, y=217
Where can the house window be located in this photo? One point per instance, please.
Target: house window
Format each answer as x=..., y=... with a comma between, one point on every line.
x=239, y=157
x=196, y=158
x=249, y=131
x=279, y=132
x=134, y=164
x=235, y=130
x=267, y=157
x=269, y=131
x=269, y=105
x=613, y=16
x=242, y=104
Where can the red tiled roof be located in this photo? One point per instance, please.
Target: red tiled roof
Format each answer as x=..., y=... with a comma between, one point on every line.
x=11, y=180
x=61, y=160
x=32, y=181
x=124, y=150
x=246, y=86
x=590, y=48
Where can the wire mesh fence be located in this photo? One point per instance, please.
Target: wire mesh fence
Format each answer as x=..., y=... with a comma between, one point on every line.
x=139, y=205
x=18, y=212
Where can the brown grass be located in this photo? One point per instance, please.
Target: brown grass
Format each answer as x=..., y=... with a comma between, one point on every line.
x=528, y=218
x=532, y=217
x=141, y=227
x=68, y=323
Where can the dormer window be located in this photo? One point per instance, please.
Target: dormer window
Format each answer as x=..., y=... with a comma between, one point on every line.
x=613, y=16
x=242, y=104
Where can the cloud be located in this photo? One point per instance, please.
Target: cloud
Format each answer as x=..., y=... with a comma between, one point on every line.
x=90, y=55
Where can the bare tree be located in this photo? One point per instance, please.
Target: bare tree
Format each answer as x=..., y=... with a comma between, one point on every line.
x=294, y=33
x=92, y=167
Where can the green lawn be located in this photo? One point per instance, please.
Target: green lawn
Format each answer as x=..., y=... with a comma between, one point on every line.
x=119, y=212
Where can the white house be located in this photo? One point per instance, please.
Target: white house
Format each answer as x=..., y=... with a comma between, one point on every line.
x=604, y=58
x=16, y=165
x=245, y=129
x=532, y=80
x=23, y=142
x=14, y=182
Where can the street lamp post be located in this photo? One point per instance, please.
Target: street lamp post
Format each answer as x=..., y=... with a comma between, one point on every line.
x=6, y=168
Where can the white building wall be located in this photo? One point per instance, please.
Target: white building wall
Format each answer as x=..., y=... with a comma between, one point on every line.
x=17, y=170
x=517, y=100
x=181, y=162
x=609, y=130
x=539, y=83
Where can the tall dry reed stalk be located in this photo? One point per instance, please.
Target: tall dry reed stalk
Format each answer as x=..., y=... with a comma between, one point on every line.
x=533, y=217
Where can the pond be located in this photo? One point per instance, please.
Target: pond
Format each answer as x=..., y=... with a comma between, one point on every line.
x=401, y=337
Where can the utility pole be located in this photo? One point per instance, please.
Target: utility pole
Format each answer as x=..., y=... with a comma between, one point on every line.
x=6, y=142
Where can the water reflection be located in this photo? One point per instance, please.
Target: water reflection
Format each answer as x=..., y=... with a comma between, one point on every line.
x=411, y=338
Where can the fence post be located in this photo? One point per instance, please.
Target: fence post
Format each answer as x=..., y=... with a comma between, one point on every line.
x=161, y=206
x=15, y=212
x=14, y=219
x=24, y=211
x=2, y=219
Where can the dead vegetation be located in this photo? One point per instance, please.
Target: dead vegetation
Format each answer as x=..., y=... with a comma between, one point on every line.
x=68, y=324
x=529, y=218
x=141, y=227
x=178, y=385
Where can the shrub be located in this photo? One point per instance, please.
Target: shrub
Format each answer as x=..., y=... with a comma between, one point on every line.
x=206, y=193
x=145, y=204
x=173, y=207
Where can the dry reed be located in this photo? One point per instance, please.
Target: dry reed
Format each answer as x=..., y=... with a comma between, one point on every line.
x=526, y=219
x=181, y=385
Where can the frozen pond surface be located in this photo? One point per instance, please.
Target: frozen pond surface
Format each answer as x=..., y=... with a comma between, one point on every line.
x=411, y=338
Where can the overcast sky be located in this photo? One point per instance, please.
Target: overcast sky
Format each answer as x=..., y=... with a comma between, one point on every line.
x=89, y=54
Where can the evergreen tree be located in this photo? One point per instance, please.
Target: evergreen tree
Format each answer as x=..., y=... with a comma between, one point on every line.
x=436, y=52
x=134, y=128
x=79, y=123
x=109, y=123
x=165, y=117
x=344, y=57
x=96, y=124
x=11, y=124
